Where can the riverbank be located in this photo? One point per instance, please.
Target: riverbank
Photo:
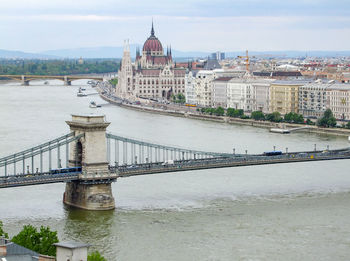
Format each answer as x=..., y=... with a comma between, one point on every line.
x=225, y=119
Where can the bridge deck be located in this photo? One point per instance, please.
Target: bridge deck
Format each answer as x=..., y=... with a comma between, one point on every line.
x=180, y=165
x=154, y=168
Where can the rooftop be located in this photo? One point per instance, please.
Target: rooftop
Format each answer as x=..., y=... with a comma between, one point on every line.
x=72, y=244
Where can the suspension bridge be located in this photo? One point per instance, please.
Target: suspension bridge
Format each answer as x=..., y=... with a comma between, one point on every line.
x=88, y=160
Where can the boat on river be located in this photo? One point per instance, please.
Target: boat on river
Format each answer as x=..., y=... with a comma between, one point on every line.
x=81, y=93
x=94, y=105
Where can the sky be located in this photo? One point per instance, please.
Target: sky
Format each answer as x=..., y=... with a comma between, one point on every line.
x=186, y=25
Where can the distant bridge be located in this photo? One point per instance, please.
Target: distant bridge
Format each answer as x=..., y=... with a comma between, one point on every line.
x=88, y=159
x=67, y=79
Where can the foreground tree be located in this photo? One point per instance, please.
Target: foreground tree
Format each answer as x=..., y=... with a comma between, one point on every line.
x=2, y=232
x=96, y=256
x=327, y=120
x=39, y=241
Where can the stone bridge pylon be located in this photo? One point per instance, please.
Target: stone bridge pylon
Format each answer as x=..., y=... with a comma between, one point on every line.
x=93, y=189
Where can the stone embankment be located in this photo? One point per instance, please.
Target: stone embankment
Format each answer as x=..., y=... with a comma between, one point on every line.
x=225, y=119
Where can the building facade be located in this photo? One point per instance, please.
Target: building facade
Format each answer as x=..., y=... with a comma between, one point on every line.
x=240, y=94
x=338, y=100
x=313, y=98
x=284, y=96
x=153, y=75
x=219, y=92
x=190, y=92
x=203, y=87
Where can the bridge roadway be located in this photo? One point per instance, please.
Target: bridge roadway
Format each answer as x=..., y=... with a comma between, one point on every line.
x=67, y=79
x=179, y=165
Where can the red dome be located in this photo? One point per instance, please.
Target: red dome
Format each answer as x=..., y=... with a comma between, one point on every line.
x=152, y=44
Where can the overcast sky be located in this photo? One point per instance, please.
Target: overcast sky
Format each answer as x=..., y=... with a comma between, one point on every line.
x=188, y=25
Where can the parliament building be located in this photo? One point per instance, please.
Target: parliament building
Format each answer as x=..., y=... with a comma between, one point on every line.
x=152, y=75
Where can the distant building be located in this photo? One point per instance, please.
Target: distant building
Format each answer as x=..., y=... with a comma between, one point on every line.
x=313, y=98
x=203, y=87
x=219, y=92
x=248, y=94
x=153, y=75
x=280, y=75
x=338, y=100
x=284, y=96
x=190, y=92
x=81, y=61
x=217, y=56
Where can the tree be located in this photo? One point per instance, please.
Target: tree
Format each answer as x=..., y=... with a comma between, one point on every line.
x=2, y=232
x=236, y=113
x=219, y=111
x=181, y=98
x=96, y=256
x=294, y=117
x=327, y=120
x=275, y=117
x=347, y=125
x=258, y=115
x=41, y=242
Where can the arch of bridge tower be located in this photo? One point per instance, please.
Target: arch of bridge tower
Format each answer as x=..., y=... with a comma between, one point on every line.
x=93, y=189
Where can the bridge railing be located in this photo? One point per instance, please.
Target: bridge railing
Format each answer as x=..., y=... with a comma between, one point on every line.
x=124, y=151
x=39, y=158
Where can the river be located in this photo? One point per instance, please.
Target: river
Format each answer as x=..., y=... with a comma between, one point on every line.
x=272, y=212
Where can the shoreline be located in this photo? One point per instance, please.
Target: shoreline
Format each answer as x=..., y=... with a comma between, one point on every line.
x=226, y=119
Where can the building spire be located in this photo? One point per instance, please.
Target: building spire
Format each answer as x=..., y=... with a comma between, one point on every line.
x=152, y=30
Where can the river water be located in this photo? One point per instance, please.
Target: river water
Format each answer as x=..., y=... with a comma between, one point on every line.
x=273, y=212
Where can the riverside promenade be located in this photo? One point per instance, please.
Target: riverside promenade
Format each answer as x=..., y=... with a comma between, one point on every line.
x=106, y=92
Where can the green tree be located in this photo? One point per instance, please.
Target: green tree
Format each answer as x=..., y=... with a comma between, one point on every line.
x=274, y=117
x=294, y=117
x=327, y=120
x=219, y=111
x=39, y=241
x=2, y=232
x=96, y=256
x=236, y=113
x=180, y=98
x=258, y=115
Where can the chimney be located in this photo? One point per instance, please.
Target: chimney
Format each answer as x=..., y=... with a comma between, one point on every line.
x=3, y=246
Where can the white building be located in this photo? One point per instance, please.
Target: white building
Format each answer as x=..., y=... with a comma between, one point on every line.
x=219, y=92
x=203, y=87
x=338, y=100
x=190, y=93
x=248, y=94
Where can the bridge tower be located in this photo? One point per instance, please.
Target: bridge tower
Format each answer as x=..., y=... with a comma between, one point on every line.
x=67, y=81
x=24, y=81
x=93, y=190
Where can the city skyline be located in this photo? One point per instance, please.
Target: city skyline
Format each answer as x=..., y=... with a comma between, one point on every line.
x=37, y=25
